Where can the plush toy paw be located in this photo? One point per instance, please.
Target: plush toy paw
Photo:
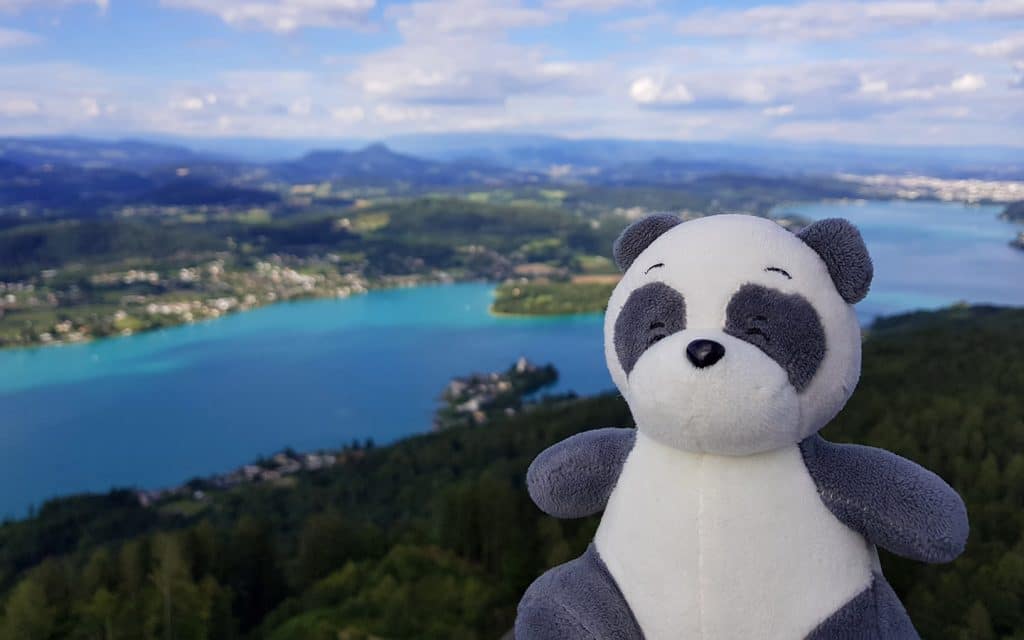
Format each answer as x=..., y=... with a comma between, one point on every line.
x=576, y=601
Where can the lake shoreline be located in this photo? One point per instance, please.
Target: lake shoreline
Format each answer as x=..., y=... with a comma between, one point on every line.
x=370, y=287
x=781, y=212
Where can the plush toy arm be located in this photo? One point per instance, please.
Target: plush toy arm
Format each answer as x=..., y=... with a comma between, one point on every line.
x=893, y=502
x=575, y=477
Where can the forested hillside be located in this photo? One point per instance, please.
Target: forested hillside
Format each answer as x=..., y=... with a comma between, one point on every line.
x=435, y=537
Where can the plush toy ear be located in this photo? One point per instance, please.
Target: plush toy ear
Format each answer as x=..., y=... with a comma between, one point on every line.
x=639, y=235
x=842, y=248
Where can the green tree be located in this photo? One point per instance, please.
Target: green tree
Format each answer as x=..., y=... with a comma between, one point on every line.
x=29, y=615
x=97, y=616
x=181, y=610
x=253, y=571
x=326, y=543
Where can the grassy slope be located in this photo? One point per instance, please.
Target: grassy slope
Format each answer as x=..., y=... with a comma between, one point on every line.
x=551, y=298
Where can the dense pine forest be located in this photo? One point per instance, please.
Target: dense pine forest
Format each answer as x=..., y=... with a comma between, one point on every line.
x=435, y=537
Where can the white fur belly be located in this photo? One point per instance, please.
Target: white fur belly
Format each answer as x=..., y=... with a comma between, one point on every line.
x=720, y=547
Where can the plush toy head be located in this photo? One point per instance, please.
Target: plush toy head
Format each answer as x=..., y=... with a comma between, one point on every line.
x=730, y=335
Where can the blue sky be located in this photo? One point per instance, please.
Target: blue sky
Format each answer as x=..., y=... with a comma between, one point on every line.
x=879, y=72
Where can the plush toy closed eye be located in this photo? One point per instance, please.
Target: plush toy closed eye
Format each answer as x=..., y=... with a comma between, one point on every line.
x=726, y=515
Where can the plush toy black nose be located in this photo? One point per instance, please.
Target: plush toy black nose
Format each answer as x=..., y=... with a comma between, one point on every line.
x=704, y=353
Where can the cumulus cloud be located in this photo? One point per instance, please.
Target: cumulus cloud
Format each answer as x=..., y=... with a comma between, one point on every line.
x=13, y=38
x=90, y=107
x=889, y=84
x=73, y=96
x=255, y=102
x=872, y=86
x=18, y=107
x=742, y=85
x=348, y=115
x=967, y=83
x=392, y=114
x=779, y=111
x=191, y=103
x=432, y=18
x=461, y=71
x=824, y=20
x=282, y=16
x=649, y=91
x=458, y=52
x=1008, y=47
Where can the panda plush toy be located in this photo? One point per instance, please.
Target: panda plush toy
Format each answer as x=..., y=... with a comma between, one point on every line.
x=726, y=515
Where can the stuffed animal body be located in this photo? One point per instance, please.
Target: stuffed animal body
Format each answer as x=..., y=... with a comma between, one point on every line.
x=726, y=516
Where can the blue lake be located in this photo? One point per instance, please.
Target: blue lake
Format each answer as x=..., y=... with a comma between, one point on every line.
x=931, y=254
x=155, y=409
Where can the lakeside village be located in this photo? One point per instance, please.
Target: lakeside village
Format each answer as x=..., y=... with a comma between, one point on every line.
x=126, y=302
x=472, y=400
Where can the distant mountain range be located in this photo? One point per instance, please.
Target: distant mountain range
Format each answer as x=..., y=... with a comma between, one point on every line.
x=534, y=153
x=377, y=164
x=90, y=153
x=540, y=153
x=83, y=173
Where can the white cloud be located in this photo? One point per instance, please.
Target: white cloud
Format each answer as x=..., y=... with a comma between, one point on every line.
x=891, y=85
x=301, y=107
x=779, y=111
x=435, y=19
x=822, y=20
x=457, y=52
x=282, y=16
x=750, y=90
x=14, y=38
x=649, y=91
x=191, y=103
x=73, y=96
x=90, y=107
x=462, y=70
x=1008, y=47
x=391, y=114
x=744, y=85
x=967, y=83
x=18, y=107
x=1018, y=80
x=348, y=115
x=869, y=86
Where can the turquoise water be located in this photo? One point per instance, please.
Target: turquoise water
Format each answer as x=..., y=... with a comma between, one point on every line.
x=157, y=408
x=931, y=254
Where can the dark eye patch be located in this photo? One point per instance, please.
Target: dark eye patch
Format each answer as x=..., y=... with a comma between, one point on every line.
x=784, y=326
x=651, y=313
